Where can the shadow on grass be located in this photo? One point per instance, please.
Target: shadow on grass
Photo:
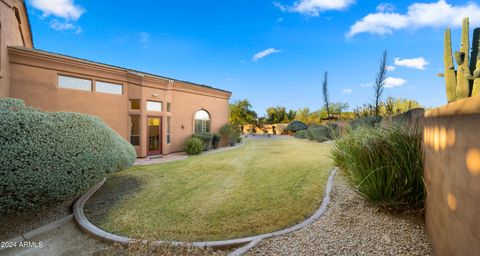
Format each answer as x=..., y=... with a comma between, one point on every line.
x=115, y=189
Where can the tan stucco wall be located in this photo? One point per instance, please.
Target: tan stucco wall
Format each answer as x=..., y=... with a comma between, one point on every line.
x=452, y=176
x=34, y=78
x=12, y=33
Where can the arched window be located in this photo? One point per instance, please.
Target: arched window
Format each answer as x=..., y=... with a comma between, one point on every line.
x=202, y=121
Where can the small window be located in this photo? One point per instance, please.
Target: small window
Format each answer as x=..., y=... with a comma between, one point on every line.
x=74, y=83
x=135, y=130
x=108, y=87
x=135, y=104
x=154, y=106
x=169, y=107
x=202, y=122
x=169, y=120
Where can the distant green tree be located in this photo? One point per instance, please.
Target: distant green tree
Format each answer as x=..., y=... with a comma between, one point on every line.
x=241, y=113
x=276, y=115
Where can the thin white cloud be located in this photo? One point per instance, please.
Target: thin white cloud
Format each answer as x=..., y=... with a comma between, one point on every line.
x=417, y=63
x=57, y=25
x=347, y=90
x=144, y=37
x=264, y=53
x=392, y=82
x=65, y=25
x=385, y=7
x=66, y=9
x=366, y=85
x=419, y=15
x=314, y=7
x=390, y=68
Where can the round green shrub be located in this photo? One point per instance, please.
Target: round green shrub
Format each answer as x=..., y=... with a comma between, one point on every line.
x=318, y=133
x=295, y=126
x=50, y=158
x=301, y=134
x=206, y=139
x=193, y=146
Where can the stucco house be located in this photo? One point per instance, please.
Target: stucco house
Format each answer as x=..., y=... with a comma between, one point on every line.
x=155, y=113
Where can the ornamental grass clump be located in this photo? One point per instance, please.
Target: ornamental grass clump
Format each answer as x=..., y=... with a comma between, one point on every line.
x=384, y=165
x=50, y=158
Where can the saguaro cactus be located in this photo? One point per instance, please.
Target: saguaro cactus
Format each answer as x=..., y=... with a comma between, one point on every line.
x=465, y=81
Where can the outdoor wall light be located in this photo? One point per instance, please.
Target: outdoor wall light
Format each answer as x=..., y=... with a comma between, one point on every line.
x=155, y=95
x=183, y=127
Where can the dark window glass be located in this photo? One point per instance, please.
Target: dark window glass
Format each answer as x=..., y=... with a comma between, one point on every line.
x=134, y=104
x=135, y=130
x=169, y=120
x=169, y=107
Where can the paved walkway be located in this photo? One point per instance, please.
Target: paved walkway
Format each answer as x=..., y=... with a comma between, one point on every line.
x=67, y=240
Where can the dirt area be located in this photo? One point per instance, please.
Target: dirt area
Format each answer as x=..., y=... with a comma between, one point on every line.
x=14, y=225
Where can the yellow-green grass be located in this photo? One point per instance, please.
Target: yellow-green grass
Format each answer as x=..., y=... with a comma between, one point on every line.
x=263, y=186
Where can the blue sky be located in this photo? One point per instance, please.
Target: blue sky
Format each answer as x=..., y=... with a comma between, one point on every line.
x=270, y=52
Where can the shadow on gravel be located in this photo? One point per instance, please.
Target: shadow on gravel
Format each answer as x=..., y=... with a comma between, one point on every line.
x=112, y=192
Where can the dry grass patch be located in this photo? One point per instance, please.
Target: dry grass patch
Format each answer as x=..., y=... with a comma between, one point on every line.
x=264, y=186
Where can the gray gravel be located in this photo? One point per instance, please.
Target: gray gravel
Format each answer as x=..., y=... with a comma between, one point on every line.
x=352, y=227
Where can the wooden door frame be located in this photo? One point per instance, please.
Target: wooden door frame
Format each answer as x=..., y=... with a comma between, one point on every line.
x=160, y=142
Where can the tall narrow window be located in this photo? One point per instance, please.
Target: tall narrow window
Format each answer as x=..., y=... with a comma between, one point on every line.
x=202, y=122
x=74, y=83
x=169, y=120
x=169, y=107
x=135, y=130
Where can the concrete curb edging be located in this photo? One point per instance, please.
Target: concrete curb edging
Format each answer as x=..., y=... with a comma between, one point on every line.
x=40, y=230
x=247, y=242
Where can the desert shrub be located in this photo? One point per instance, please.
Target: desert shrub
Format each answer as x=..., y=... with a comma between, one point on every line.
x=206, y=139
x=216, y=141
x=319, y=133
x=50, y=158
x=235, y=137
x=384, y=165
x=371, y=121
x=193, y=146
x=301, y=134
x=295, y=126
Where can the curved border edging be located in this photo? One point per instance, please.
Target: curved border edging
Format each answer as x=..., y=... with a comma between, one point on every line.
x=86, y=226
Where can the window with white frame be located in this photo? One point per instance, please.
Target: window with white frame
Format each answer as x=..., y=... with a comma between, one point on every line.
x=154, y=106
x=202, y=122
x=74, y=83
x=108, y=87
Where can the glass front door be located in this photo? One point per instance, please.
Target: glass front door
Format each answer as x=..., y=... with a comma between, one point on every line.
x=154, y=136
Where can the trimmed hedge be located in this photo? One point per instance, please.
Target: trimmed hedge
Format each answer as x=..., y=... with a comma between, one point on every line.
x=301, y=134
x=295, y=126
x=50, y=158
x=206, y=139
x=319, y=133
x=193, y=146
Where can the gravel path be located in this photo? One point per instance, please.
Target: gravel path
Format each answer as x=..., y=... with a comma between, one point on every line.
x=352, y=227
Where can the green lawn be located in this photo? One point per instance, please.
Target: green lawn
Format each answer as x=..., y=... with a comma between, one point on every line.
x=263, y=186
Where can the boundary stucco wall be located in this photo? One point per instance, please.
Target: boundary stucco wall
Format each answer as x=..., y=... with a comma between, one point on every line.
x=452, y=177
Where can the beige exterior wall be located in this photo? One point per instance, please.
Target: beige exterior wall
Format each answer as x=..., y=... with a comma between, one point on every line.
x=34, y=78
x=13, y=32
x=452, y=177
